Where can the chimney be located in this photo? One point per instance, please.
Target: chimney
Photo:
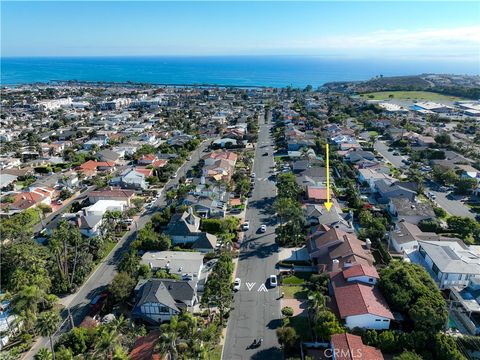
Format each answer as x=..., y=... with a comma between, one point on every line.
x=335, y=265
x=368, y=244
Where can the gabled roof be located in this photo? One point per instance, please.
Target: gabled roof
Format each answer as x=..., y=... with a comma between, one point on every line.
x=351, y=347
x=165, y=291
x=358, y=298
x=360, y=270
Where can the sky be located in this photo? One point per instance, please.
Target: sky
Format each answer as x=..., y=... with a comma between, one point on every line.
x=380, y=29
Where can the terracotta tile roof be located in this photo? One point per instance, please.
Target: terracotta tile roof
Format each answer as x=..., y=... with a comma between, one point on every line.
x=148, y=157
x=113, y=193
x=351, y=347
x=92, y=165
x=227, y=155
x=159, y=163
x=360, y=270
x=144, y=171
x=318, y=193
x=144, y=348
x=357, y=298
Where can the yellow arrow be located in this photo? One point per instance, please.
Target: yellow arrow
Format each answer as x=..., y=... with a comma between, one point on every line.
x=328, y=204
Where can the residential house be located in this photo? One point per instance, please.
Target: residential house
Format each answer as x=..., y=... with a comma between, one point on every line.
x=157, y=300
x=91, y=167
x=315, y=176
x=450, y=263
x=466, y=305
x=386, y=189
x=109, y=156
x=360, y=303
x=111, y=194
x=317, y=194
x=130, y=179
x=371, y=176
x=187, y=265
x=404, y=237
x=351, y=347
x=326, y=244
x=102, y=206
x=410, y=211
x=152, y=160
x=316, y=214
x=185, y=229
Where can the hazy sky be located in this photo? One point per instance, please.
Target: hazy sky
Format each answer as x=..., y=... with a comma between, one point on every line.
x=345, y=29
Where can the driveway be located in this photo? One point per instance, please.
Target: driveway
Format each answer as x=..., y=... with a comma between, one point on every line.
x=256, y=312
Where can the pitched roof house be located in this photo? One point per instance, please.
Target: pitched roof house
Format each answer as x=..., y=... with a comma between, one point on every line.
x=351, y=347
x=359, y=302
x=185, y=229
x=327, y=244
x=157, y=300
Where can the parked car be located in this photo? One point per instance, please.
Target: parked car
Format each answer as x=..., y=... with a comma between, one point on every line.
x=246, y=225
x=253, y=175
x=263, y=228
x=396, y=153
x=236, y=284
x=273, y=280
x=265, y=153
x=59, y=202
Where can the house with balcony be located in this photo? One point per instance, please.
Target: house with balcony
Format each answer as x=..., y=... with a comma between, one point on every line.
x=449, y=262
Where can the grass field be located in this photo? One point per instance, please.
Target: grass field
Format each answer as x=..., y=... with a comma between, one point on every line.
x=409, y=95
x=295, y=292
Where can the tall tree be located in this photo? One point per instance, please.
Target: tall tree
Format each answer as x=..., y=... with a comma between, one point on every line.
x=47, y=325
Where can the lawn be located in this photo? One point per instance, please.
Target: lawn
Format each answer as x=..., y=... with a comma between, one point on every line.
x=297, y=279
x=295, y=292
x=409, y=95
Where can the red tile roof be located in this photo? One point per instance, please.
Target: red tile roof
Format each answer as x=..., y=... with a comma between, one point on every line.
x=144, y=348
x=357, y=298
x=351, y=347
x=318, y=193
x=92, y=165
x=144, y=171
x=113, y=193
x=360, y=270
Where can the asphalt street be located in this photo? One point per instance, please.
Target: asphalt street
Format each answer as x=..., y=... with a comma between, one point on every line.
x=452, y=206
x=256, y=312
x=106, y=270
x=396, y=160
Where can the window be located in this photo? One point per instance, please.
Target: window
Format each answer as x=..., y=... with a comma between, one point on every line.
x=422, y=252
x=370, y=280
x=378, y=320
x=435, y=269
x=164, y=310
x=385, y=320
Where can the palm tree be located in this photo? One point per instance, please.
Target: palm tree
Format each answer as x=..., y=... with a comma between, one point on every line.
x=106, y=343
x=168, y=338
x=44, y=354
x=26, y=300
x=47, y=325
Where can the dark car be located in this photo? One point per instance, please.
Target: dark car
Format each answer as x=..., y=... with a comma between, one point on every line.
x=265, y=154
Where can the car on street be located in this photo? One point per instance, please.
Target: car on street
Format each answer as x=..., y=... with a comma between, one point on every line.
x=173, y=176
x=246, y=225
x=236, y=284
x=265, y=153
x=189, y=158
x=273, y=280
x=263, y=228
x=253, y=175
x=396, y=153
x=59, y=202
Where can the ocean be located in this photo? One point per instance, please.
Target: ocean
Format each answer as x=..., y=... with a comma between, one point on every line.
x=274, y=71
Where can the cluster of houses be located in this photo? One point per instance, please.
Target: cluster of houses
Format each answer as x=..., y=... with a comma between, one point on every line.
x=334, y=248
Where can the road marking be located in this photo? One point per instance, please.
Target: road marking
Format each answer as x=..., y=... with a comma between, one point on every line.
x=262, y=288
x=250, y=286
